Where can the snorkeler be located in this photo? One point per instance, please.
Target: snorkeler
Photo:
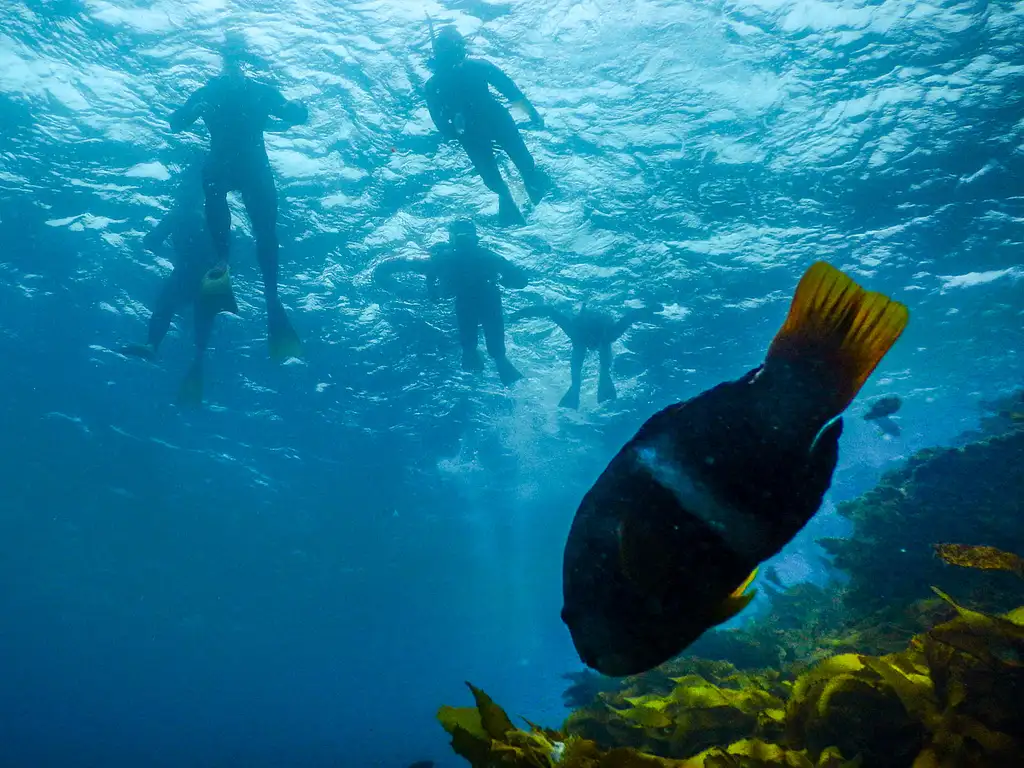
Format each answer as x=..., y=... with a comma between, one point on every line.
x=880, y=412
x=471, y=273
x=463, y=108
x=589, y=330
x=192, y=255
x=236, y=110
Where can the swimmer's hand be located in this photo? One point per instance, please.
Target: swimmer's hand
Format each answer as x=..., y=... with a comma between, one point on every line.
x=535, y=119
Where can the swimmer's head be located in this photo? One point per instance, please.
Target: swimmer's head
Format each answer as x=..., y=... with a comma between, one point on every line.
x=449, y=46
x=234, y=51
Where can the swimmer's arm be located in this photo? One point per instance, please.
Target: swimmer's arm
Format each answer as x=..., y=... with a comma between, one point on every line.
x=511, y=91
x=560, y=319
x=289, y=112
x=512, y=276
x=436, y=109
x=393, y=266
x=629, y=319
x=156, y=236
x=189, y=112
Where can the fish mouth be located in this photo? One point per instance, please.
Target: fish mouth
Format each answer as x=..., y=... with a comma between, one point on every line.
x=606, y=650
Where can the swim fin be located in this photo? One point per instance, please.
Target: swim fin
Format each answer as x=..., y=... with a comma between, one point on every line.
x=216, y=294
x=283, y=340
x=605, y=389
x=471, y=360
x=509, y=214
x=571, y=399
x=538, y=184
x=508, y=373
x=145, y=351
x=190, y=391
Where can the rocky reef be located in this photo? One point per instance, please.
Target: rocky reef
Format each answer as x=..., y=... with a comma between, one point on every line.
x=971, y=495
x=952, y=698
x=885, y=670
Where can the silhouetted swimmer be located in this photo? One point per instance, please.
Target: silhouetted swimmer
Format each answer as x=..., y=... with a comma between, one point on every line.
x=464, y=269
x=192, y=255
x=463, y=109
x=880, y=411
x=588, y=330
x=237, y=111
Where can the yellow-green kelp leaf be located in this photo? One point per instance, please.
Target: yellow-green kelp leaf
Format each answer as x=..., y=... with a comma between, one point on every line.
x=492, y=717
x=467, y=718
x=980, y=557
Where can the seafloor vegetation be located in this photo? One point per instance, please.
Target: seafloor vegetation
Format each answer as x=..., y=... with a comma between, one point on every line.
x=916, y=660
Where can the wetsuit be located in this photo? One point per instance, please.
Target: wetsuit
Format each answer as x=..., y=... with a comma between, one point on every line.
x=472, y=275
x=237, y=110
x=193, y=256
x=587, y=331
x=462, y=107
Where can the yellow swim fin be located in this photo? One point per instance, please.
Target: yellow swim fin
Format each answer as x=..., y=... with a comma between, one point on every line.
x=739, y=599
x=190, y=391
x=836, y=322
x=216, y=294
x=283, y=340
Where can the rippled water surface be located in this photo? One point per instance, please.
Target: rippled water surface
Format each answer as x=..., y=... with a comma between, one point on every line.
x=302, y=572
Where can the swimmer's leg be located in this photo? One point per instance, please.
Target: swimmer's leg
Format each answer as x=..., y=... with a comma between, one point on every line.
x=190, y=393
x=218, y=215
x=170, y=298
x=605, y=385
x=469, y=333
x=481, y=154
x=260, y=197
x=537, y=182
x=572, y=397
x=494, y=334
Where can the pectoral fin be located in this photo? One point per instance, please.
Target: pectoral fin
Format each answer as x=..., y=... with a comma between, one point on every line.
x=737, y=601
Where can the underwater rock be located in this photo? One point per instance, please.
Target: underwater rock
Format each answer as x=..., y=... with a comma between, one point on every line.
x=585, y=687
x=952, y=698
x=972, y=495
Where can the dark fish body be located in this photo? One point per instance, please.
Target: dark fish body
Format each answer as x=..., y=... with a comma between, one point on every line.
x=883, y=406
x=711, y=487
x=665, y=543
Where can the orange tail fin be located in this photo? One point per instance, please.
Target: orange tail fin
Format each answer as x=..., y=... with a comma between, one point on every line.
x=834, y=321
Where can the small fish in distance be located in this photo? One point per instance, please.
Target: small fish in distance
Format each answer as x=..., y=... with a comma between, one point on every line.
x=665, y=544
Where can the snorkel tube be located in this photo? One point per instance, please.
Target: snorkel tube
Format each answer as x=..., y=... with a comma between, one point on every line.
x=432, y=60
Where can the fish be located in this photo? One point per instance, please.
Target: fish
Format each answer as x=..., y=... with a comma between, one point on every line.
x=883, y=407
x=665, y=545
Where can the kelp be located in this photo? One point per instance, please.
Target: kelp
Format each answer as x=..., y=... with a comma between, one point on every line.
x=486, y=738
x=678, y=717
x=876, y=672
x=981, y=557
x=952, y=698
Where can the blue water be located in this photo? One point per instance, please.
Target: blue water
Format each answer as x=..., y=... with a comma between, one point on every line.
x=302, y=572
